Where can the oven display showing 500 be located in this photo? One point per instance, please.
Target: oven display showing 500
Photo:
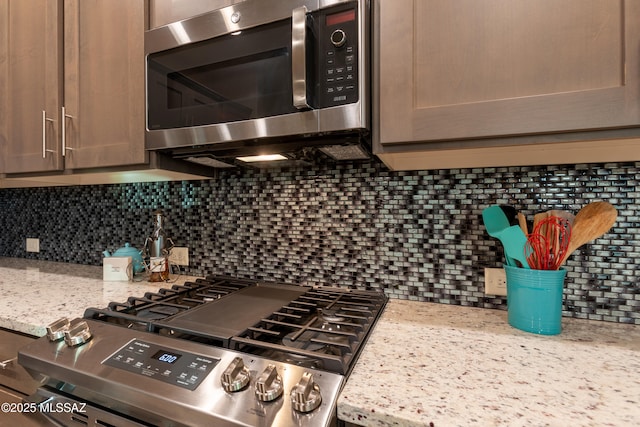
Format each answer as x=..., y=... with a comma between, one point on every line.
x=165, y=356
x=183, y=369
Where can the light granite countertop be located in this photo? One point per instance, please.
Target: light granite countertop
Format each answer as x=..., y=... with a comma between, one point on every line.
x=36, y=293
x=441, y=365
x=424, y=364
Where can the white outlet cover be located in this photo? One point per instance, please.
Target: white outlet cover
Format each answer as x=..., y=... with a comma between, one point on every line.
x=117, y=269
x=495, y=281
x=33, y=244
x=179, y=256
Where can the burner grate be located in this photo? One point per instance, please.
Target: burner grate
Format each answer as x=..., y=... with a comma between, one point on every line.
x=143, y=313
x=321, y=327
x=327, y=325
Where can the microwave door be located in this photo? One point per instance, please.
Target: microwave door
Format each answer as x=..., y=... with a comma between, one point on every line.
x=269, y=127
x=239, y=86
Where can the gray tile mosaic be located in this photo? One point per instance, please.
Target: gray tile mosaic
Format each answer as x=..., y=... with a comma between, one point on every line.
x=415, y=235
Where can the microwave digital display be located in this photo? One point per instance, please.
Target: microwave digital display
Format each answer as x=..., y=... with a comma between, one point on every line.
x=341, y=17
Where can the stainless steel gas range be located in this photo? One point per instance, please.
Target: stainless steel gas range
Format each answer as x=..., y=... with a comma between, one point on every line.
x=217, y=351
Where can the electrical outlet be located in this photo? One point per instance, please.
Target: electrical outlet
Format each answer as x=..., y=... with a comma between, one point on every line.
x=33, y=245
x=495, y=281
x=179, y=256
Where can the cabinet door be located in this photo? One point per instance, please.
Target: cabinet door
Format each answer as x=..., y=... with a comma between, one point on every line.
x=459, y=69
x=30, y=127
x=13, y=375
x=104, y=83
x=4, y=81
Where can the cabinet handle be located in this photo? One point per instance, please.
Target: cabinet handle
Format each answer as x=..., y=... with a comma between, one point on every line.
x=45, y=119
x=6, y=363
x=65, y=116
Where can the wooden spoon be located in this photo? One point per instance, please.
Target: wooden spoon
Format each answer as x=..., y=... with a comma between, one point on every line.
x=591, y=222
x=522, y=221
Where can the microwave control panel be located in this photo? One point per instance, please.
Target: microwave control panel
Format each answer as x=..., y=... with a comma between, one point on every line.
x=338, y=43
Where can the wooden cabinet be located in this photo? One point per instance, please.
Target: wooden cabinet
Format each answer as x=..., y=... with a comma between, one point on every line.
x=75, y=79
x=4, y=81
x=462, y=73
x=32, y=69
x=13, y=375
x=104, y=83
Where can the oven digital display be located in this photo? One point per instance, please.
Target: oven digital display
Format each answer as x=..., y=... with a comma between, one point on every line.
x=184, y=369
x=165, y=356
x=341, y=17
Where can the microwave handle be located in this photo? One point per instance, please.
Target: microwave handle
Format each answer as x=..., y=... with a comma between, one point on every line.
x=299, y=57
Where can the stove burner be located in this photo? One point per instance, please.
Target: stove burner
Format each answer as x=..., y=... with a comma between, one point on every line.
x=330, y=316
x=300, y=360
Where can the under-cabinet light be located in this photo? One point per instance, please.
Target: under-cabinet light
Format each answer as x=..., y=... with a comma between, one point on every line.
x=262, y=158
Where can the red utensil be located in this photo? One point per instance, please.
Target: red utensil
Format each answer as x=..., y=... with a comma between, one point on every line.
x=548, y=243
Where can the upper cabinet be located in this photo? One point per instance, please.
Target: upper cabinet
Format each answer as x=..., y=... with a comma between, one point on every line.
x=466, y=74
x=103, y=83
x=4, y=81
x=32, y=66
x=74, y=70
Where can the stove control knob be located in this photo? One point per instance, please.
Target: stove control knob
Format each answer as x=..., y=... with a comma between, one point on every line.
x=269, y=385
x=77, y=334
x=236, y=376
x=305, y=396
x=55, y=330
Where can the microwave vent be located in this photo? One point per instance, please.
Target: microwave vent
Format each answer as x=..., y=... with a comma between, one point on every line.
x=209, y=161
x=345, y=152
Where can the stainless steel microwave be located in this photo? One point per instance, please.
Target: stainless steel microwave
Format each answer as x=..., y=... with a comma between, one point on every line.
x=260, y=75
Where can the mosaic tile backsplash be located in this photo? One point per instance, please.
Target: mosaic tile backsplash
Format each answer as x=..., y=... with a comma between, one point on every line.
x=417, y=235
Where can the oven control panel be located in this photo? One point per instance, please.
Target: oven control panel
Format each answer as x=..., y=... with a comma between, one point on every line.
x=164, y=380
x=171, y=366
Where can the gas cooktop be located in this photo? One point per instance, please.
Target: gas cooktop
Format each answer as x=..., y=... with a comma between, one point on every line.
x=321, y=327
